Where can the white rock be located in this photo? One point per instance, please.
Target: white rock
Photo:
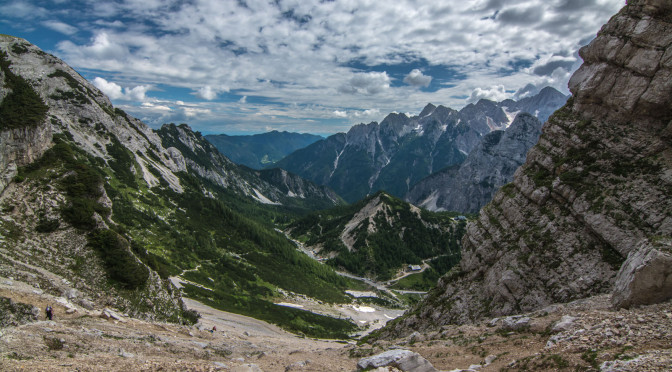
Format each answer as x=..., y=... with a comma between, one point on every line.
x=404, y=360
x=564, y=324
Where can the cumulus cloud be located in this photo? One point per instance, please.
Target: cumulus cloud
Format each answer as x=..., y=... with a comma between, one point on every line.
x=207, y=92
x=115, y=92
x=526, y=91
x=280, y=53
x=243, y=99
x=521, y=15
x=417, y=78
x=369, y=83
x=547, y=66
x=61, y=27
x=495, y=93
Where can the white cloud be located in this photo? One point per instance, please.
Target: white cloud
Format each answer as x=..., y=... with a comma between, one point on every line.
x=243, y=99
x=114, y=91
x=309, y=58
x=495, y=93
x=61, y=27
x=207, y=92
x=417, y=78
x=369, y=83
x=22, y=9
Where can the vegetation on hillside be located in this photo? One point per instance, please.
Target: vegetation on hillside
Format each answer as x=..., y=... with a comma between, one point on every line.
x=22, y=106
x=396, y=237
x=243, y=261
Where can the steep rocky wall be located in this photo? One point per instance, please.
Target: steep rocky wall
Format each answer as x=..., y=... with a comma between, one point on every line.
x=589, y=211
x=19, y=147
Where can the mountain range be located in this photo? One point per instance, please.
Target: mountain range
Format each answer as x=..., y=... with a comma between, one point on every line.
x=259, y=151
x=469, y=186
x=400, y=151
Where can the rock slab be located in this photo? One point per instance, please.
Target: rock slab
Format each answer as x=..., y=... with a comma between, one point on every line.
x=404, y=360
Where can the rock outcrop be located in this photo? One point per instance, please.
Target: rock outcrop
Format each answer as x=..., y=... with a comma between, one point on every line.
x=489, y=166
x=594, y=192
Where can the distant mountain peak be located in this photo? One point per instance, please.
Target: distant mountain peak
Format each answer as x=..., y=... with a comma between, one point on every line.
x=428, y=110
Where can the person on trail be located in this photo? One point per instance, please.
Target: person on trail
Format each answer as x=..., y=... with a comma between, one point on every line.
x=50, y=312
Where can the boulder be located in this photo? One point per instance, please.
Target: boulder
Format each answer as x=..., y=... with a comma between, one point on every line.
x=645, y=278
x=109, y=314
x=404, y=360
x=564, y=324
x=515, y=323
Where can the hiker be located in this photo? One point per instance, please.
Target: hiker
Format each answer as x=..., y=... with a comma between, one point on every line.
x=50, y=312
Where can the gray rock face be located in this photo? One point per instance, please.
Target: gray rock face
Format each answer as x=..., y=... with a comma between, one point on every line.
x=594, y=191
x=19, y=147
x=489, y=166
x=404, y=360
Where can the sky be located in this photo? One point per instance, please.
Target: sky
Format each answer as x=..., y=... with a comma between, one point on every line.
x=310, y=66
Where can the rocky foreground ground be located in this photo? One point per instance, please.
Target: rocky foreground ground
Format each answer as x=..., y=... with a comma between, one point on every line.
x=583, y=335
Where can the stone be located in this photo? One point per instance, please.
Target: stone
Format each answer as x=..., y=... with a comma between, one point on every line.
x=564, y=324
x=71, y=294
x=109, y=314
x=247, y=368
x=405, y=360
x=515, y=323
x=125, y=354
x=645, y=278
x=88, y=305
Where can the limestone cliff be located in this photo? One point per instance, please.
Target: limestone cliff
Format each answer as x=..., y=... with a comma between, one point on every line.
x=589, y=211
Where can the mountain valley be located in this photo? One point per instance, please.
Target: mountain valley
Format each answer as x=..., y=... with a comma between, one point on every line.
x=532, y=235
x=258, y=151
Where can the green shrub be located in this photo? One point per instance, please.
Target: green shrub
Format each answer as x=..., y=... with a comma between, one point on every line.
x=46, y=225
x=120, y=264
x=22, y=107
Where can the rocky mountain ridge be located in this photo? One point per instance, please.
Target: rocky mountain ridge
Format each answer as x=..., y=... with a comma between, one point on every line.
x=69, y=96
x=266, y=186
x=402, y=150
x=469, y=186
x=589, y=211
